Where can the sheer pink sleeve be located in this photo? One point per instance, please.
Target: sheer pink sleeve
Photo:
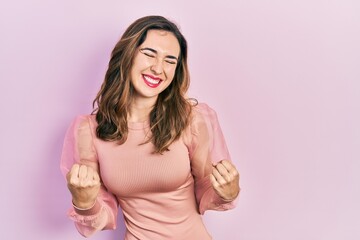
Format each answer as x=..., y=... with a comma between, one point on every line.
x=79, y=148
x=207, y=146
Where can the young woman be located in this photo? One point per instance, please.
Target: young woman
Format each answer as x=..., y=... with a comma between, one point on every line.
x=147, y=149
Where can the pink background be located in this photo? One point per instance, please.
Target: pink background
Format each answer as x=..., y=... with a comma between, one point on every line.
x=283, y=75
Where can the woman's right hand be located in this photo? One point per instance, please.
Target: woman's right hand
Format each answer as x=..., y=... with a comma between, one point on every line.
x=84, y=184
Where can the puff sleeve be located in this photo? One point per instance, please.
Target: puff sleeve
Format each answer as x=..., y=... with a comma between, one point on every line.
x=207, y=147
x=79, y=148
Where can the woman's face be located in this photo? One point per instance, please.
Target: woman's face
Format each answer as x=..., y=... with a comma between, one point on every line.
x=154, y=64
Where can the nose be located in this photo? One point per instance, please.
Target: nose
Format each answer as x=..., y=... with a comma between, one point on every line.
x=157, y=67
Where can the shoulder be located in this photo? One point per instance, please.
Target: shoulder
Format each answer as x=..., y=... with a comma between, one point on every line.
x=83, y=120
x=204, y=120
x=200, y=119
x=203, y=114
x=81, y=124
x=203, y=110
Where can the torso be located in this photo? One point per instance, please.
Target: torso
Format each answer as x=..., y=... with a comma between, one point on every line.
x=155, y=192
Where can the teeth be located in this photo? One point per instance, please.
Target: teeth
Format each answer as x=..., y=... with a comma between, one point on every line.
x=150, y=80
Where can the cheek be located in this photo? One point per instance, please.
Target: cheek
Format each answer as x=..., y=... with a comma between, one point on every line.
x=170, y=73
x=140, y=64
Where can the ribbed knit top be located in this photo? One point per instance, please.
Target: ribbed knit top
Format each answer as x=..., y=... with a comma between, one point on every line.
x=161, y=195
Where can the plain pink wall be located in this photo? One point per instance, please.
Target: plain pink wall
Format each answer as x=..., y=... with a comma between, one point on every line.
x=284, y=77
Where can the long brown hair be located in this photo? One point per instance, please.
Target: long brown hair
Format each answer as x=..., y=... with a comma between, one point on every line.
x=170, y=115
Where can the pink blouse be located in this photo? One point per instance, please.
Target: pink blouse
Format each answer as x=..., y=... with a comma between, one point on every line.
x=161, y=196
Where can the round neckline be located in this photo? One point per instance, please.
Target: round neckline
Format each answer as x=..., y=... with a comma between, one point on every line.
x=138, y=125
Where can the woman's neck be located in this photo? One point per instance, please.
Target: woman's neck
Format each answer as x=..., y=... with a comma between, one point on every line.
x=140, y=110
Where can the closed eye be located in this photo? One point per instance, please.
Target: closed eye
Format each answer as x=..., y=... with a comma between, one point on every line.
x=152, y=53
x=170, y=62
x=147, y=53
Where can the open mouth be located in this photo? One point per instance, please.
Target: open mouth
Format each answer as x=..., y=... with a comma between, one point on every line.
x=151, y=81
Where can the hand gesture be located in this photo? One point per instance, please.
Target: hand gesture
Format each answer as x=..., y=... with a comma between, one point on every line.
x=225, y=180
x=84, y=185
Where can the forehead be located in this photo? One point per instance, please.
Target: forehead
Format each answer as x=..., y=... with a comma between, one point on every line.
x=162, y=41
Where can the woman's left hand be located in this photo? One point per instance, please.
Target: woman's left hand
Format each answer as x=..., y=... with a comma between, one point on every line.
x=225, y=180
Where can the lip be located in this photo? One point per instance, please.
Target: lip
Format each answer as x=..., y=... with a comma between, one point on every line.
x=151, y=81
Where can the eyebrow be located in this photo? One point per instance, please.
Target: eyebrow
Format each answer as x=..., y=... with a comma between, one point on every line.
x=154, y=51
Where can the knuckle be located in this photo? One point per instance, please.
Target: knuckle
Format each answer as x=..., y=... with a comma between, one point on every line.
x=73, y=183
x=82, y=183
x=223, y=182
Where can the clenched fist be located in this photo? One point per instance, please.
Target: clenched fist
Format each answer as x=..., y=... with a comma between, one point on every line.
x=84, y=185
x=225, y=180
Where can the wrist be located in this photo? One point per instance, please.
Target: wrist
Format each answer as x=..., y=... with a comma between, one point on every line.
x=83, y=206
x=232, y=198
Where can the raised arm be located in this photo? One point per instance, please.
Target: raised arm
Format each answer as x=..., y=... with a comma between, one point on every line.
x=94, y=208
x=216, y=177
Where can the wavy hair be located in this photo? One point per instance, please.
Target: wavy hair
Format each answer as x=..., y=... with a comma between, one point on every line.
x=170, y=115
